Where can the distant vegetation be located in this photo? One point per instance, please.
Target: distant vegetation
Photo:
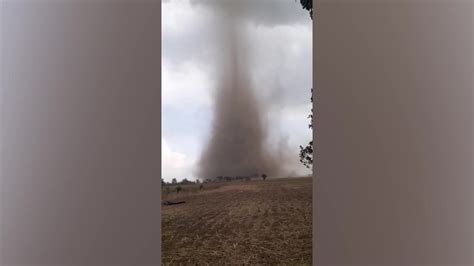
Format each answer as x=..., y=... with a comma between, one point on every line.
x=185, y=181
x=175, y=182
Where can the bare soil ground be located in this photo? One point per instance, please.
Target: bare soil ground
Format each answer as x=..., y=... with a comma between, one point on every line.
x=257, y=222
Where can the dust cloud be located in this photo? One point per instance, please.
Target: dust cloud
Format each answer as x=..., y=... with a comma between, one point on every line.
x=238, y=143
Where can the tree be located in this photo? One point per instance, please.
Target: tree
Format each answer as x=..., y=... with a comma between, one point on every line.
x=174, y=181
x=308, y=5
x=306, y=153
x=185, y=181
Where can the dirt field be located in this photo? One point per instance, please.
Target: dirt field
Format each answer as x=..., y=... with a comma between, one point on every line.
x=256, y=222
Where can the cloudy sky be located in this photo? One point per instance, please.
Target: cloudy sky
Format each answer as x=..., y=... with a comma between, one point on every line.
x=279, y=34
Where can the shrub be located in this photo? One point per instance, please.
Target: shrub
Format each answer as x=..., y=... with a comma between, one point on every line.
x=178, y=189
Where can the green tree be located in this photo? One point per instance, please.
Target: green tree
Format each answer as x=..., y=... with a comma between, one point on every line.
x=306, y=153
x=308, y=5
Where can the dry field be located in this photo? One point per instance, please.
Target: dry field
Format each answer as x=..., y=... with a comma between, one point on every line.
x=257, y=222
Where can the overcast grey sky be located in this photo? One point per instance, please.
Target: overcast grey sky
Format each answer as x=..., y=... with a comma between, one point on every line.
x=279, y=38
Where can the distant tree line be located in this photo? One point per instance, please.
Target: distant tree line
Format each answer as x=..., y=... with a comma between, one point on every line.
x=174, y=181
x=235, y=178
x=185, y=181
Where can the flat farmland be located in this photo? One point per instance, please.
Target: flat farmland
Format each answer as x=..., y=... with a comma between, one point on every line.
x=254, y=222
